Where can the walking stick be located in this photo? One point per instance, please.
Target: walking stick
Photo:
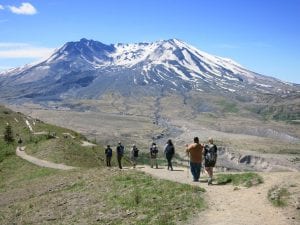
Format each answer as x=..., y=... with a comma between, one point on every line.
x=188, y=160
x=188, y=166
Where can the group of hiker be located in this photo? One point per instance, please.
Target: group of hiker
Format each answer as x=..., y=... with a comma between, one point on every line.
x=196, y=152
x=134, y=153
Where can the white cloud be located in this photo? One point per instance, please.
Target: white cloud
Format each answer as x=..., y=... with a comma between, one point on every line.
x=1, y=7
x=26, y=53
x=23, y=50
x=5, y=68
x=260, y=44
x=25, y=9
x=13, y=45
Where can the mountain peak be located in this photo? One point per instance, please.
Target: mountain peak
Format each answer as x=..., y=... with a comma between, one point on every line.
x=174, y=41
x=84, y=40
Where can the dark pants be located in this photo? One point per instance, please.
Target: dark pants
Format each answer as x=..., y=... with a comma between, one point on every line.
x=108, y=160
x=169, y=159
x=119, y=158
x=195, y=170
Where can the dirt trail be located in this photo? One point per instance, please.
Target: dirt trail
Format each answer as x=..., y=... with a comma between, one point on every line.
x=43, y=163
x=87, y=144
x=226, y=206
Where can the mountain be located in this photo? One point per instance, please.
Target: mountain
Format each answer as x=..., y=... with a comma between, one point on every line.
x=87, y=69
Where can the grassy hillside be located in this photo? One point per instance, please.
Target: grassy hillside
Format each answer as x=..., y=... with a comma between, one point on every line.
x=91, y=194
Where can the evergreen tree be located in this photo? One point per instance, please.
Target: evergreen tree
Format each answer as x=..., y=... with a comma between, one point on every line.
x=8, y=134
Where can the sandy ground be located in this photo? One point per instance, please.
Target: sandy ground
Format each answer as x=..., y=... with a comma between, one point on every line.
x=228, y=206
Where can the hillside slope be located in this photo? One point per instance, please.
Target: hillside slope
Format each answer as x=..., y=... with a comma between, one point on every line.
x=90, y=194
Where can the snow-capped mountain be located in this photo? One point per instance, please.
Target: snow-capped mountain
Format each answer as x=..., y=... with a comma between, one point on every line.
x=87, y=69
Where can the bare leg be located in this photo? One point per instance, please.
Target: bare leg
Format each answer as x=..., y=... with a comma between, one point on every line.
x=210, y=174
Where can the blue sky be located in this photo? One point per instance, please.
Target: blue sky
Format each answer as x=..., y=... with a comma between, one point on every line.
x=263, y=36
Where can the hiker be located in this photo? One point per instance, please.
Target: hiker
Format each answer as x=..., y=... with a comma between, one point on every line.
x=195, y=151
x=153, y=155
x=120, y=153
x=169, y=153
x=20, y=141
x=108, y=153
x=134, y=155
x=210, y=158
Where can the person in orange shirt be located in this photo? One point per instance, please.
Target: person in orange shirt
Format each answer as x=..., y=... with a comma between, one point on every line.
x=195, y=151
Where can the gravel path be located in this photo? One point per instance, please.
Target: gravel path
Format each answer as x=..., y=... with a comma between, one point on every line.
x=226, y=206
x=43, y=163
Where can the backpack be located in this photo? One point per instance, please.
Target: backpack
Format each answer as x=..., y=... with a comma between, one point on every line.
x=108, y=152
x=153, y=150
x=170, y=150
x=211, y=153
x=135, y=152
x=120, y=150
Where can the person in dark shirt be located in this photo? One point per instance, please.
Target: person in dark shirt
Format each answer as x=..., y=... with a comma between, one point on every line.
x=169, y=153
x=120, y=153
x=153, y=155
x=108, y=154
x=134, y=155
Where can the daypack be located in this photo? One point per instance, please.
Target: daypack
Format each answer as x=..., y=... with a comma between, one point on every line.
x=170, y=150
x=108, y=152
x=135, y=152
x=153, y=150
x=211, y=153
x=120, y=150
